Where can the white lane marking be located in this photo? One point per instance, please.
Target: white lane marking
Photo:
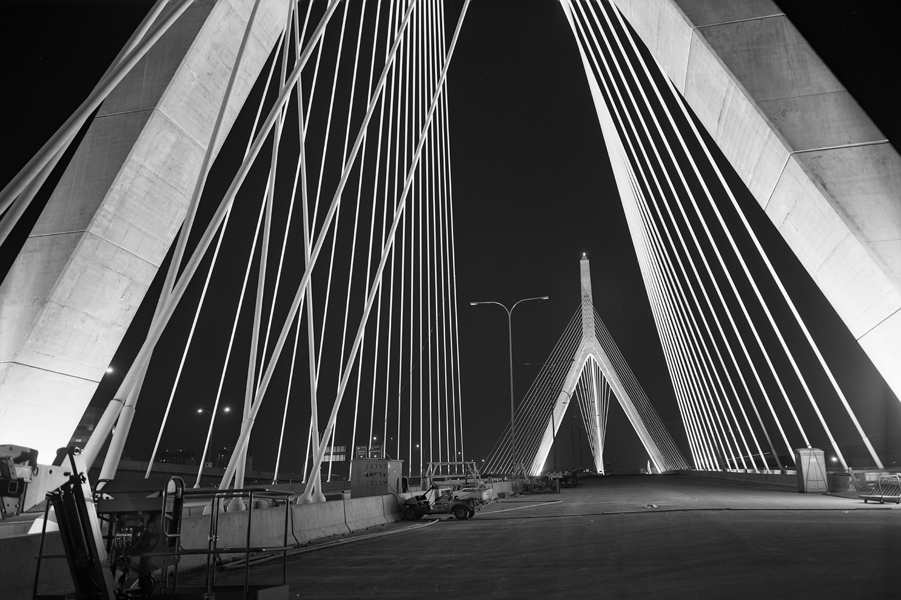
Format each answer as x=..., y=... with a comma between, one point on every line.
x=494, y=512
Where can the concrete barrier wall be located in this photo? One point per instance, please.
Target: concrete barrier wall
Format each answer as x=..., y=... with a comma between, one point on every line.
x=505, y=489
x=837, y=481
x=307, y=523
x=317, y=521
x=18, y=563
x=778, y=479
x=267, y=530
x=361, y=513
x=393, y=506
x=14, y=528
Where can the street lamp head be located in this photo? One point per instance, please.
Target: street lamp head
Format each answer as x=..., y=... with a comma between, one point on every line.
x=509, y=312
x=226, y=409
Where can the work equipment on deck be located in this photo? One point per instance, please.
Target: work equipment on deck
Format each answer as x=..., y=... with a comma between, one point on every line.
x=442, y=503
x=462, y=477
x=462, y=491
x=888, y=487
x=139, y=554
x=23, y=482
x=570, y=478
x=463, y=473
x=549, y=483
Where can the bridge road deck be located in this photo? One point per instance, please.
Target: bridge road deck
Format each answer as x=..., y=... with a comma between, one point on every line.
x=705, y=538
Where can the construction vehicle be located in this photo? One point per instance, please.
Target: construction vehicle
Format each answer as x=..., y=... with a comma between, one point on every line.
x=462, y=478
x=571, y=478
x=445, y=502
x=548, y=483
x=454, y=488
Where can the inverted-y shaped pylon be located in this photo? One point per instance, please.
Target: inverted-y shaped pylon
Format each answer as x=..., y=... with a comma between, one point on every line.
x=592, y=355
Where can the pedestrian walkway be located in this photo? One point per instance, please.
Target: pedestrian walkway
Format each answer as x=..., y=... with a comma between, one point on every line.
x=672, y=536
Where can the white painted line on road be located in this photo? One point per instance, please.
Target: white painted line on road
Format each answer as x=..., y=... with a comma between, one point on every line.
x=312, y=547
x=494, y=512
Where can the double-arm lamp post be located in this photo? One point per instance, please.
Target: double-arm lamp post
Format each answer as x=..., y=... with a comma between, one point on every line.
x=510, y=339
x=206, y=444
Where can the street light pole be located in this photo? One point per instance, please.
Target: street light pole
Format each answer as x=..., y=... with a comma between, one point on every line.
x=509, y=312
x=206, y=444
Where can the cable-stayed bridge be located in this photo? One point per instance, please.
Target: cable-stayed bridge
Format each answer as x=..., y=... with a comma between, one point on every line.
x=320, y=266
x=584, y=368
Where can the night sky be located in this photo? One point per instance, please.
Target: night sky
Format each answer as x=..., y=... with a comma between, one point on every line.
x=533, y=188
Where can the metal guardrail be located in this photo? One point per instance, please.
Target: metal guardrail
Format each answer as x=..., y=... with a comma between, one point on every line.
x=168, y=552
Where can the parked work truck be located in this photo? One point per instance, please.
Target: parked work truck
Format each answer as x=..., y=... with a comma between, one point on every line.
x=435, y=502
x=464, y=494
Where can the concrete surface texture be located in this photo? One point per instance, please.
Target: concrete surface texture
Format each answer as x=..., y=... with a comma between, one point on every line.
x=825, y=175
x=662, y=536
x=78, y=281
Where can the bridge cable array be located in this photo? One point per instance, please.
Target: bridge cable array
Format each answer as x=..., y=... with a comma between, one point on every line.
x=344, y=295
x=345, y=180
x=716, y=326
x=541, y=412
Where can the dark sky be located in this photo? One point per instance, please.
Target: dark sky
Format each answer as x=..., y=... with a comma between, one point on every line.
x=532, y=185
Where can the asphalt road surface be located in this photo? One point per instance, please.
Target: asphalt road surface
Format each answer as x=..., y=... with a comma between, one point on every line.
x=674, y=536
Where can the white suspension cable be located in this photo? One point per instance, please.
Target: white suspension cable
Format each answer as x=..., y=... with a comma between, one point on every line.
x=768, y=264
x=732, y=285
x=117, y=404
x=728, y=314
